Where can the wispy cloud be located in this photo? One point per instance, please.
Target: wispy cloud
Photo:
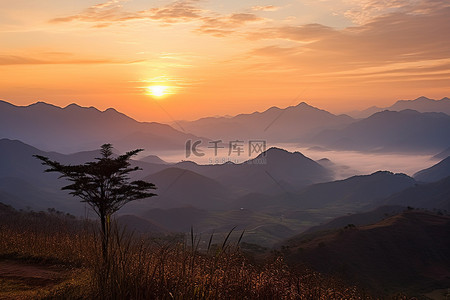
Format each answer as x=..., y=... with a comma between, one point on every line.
x=182, y=11
x=26, y=60
x=265, y=8
x=303, y=33
x=275, y=50
x=113, y=12
x=364, y=11
x=208, y=22
x=399, y=37
x=224, y=25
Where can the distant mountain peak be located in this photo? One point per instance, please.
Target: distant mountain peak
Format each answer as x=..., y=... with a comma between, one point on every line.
x=382, y=172
x=73, y=105
x=111, y=110
x=303, y=103
x=409, y=111
x=273, y=151
x=153, y=159
x=422, y=98
x=388, y=173
x=270, y=109
x=40, y=104
x=388, y=112
x=275, y=154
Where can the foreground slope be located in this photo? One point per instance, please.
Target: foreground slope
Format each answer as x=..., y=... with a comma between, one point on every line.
x=406, y=252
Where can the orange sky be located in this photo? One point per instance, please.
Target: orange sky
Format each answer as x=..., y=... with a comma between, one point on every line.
x=223, y=57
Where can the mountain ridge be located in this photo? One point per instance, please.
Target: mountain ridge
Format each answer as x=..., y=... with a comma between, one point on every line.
x=275, y=124
x=75, y=128
x=421, y=104
x=391, y=131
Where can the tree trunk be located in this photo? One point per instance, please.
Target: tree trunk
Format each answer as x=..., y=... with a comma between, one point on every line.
x=105, y=234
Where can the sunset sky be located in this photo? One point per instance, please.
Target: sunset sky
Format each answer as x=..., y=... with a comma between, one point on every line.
x=222, y=57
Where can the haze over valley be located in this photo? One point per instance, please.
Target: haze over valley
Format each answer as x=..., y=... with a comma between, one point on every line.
x=270, y=192
x=185, y=149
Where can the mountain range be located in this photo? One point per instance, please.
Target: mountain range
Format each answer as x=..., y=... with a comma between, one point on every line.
x=272, y=172
x=421, y=104
x=23, y=183
x=433, y=195
x=269, y=198
x=274, y=124
x=184, y=183
x=75, y=128
x=344, y=196
x=274, y=195
x=392, y=131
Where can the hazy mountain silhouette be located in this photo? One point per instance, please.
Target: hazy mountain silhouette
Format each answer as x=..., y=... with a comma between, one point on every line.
x=406, y=252
x=406, y=131
x=358, y=190
x=421, y=104
x=442, y=154
x=153, y=159
x=434, y=173
x=23, y=182
x=179, y=187
x=186, y=183
x=353, y=193
x=362, y=114
x=75, y=128
x=274, y=124
x=273, y=171
x=434, y=195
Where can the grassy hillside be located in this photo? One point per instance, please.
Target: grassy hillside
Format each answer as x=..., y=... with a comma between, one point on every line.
x=405, y=252
x=52, y=255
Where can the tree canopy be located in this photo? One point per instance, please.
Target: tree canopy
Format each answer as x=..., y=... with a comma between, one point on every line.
x=104, y=184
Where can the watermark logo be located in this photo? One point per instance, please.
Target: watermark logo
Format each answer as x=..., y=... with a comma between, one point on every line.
x=192, y=148
x=233, y=149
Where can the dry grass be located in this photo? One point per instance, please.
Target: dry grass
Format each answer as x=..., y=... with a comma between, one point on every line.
x=142, y=268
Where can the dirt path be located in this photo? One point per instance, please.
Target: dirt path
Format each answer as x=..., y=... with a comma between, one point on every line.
x=20, y=280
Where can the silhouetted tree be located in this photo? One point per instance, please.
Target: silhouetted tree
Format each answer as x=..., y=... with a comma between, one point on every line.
x=103, y=184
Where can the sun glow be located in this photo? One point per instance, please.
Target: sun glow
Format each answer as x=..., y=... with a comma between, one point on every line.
x=157, y=90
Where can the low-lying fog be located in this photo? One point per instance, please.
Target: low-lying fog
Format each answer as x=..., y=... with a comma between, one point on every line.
x=344, y=163
x=349, y=163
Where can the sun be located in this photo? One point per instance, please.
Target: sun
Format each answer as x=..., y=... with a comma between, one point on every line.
x=157, y=90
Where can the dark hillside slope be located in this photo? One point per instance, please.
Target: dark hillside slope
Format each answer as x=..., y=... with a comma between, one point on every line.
x=406, y=252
